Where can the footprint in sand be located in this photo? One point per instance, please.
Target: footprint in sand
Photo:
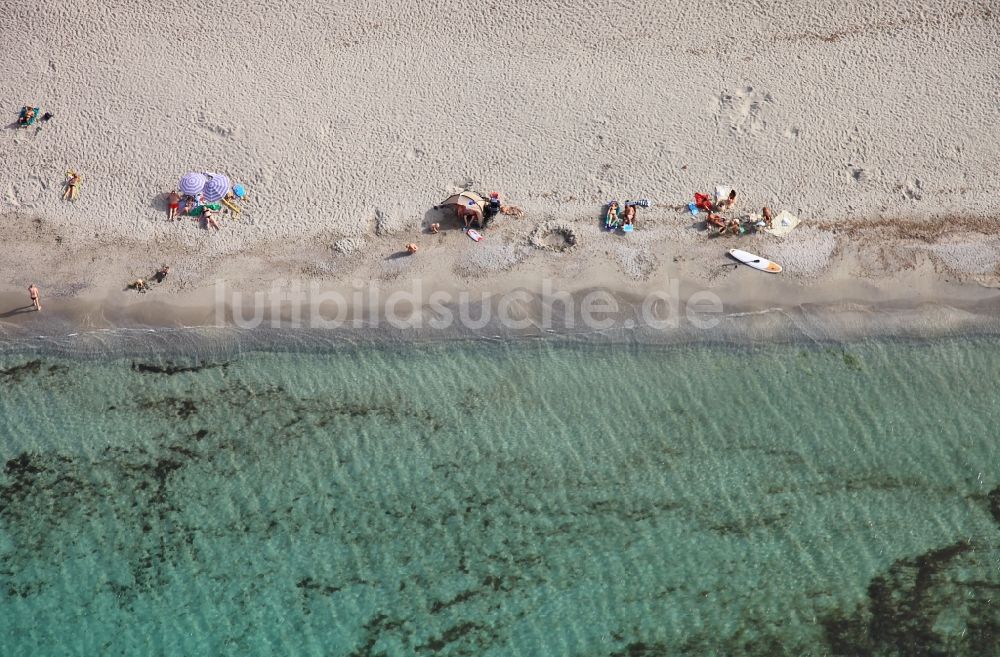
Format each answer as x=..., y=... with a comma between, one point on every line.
x=744, y=111
x=415, y=154
x=914, y=189
x=859, y=174
x=462, y=184
x=218, y=129
x=27, y=193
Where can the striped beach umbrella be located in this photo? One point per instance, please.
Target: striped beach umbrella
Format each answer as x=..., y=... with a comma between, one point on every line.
x=192, y=183
x=216, y=188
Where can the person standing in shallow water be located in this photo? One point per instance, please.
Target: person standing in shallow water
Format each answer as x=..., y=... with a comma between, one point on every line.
x=33, y=293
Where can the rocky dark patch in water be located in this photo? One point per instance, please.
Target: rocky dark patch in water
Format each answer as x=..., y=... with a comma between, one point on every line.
x=640, y=649
x=19, y=373
x=453, y=634
x=994, y=499
x=900, y=615
x=173, y=406
x=170, y=368
x=439, y=605
x=309, y=584
x=373, y=629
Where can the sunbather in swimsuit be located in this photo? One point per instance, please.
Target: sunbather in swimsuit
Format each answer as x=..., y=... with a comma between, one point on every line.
x=629, y=219
x=612, y=219
x=174, y=201
x=717, y=221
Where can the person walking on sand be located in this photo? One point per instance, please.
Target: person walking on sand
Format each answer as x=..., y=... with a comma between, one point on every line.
x=33, y=293
x=411, y=248
x=161, y=274
x=174, y=201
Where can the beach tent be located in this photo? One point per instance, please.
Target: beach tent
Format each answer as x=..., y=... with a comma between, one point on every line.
x=466, y=202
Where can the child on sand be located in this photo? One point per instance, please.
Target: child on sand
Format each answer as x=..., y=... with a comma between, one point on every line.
x=411, y=248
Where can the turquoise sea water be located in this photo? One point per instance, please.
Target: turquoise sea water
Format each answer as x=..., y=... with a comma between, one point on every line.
x=519, y=499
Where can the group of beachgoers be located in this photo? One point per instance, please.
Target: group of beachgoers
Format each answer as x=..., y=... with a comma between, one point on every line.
x=621, y=216
x=142, y=285
x=474, y=211
x=197, y=208
x=734, y=225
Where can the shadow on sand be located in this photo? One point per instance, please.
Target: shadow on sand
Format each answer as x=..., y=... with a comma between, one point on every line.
x=18, y=311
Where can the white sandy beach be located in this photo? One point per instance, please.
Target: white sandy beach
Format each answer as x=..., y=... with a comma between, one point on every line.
x=877, y=123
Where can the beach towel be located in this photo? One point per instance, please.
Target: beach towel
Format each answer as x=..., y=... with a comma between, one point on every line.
x=722, y=193
x=783, y=224
x=474, y=235
x=703, y=202
x=693, y=208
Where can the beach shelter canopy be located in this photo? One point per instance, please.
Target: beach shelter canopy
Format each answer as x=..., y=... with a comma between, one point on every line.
x=216, y=188
x=466, y=202
x=192, y=183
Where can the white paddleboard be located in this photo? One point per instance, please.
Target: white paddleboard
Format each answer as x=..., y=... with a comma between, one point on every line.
x=755, y=261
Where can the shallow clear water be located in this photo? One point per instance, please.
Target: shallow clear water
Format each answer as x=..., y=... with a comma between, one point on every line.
x=525, y=499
